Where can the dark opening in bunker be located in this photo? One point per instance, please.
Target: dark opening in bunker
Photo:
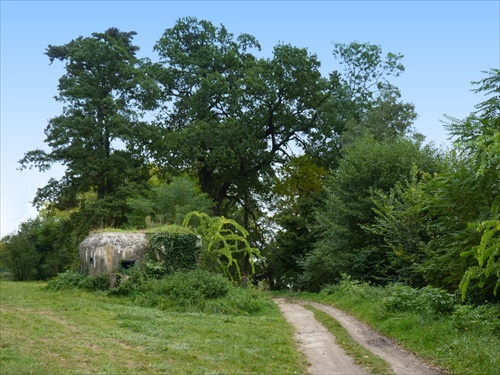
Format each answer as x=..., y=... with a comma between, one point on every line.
x=126, y=264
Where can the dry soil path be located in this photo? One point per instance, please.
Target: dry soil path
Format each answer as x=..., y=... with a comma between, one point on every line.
x=326, y=357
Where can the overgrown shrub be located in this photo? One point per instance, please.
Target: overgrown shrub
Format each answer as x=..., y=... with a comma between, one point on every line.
x=71, y=279
x=428, y=299
x=192, y=291
x=66, y=280
x=401, y=298
x=129, y=281
x=483, y=318
x=437, y=300
x=201, y=291
x=40, y=249
x=154, y=269
x=348, y=285
x=95, y=282
x=193, y=285
x=396, y=297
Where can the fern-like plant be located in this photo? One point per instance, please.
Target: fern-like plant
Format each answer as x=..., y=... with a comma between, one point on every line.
x=225, y=244
x=487, y=253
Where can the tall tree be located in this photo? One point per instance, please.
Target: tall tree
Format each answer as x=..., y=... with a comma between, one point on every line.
x=167, y=202
x=363, y=100
x=41, y=248
x=94, y=136
x=232, y=116
x=299, y=193
x=446, y=230
x=343, y=245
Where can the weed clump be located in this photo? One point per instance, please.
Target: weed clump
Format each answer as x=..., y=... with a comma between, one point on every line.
x=196, y=291
x=480, y=320
x=201, y=291
x=72, y=279
x=66, y=280
x=429, y=300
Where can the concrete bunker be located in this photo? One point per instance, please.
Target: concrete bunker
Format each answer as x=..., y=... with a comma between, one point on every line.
x=107, y=252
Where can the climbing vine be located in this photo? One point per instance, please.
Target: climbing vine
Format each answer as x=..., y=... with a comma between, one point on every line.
x=172, y=249
x=225, y=245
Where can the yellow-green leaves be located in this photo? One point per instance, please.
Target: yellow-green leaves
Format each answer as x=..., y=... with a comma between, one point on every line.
x=225, y=246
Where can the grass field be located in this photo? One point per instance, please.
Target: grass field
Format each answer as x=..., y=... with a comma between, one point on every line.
x=71, y=331
x=76, y=332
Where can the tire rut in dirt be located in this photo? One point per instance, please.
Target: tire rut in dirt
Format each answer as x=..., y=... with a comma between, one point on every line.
x=401, y=361
x=325, y=356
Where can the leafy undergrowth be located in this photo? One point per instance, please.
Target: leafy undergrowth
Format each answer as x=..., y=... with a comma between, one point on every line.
x=458, y=338
x=73, y=331
x=191, y=291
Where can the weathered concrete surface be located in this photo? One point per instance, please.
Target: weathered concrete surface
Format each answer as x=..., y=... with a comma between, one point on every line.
x=104, y=252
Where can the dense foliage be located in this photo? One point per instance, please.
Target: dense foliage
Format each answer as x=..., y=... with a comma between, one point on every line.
x=342, y=244
x=167, y=201
x=172, y=251
x=296, y=177
x=41, y=248
x=103, y=91
x=181, y=291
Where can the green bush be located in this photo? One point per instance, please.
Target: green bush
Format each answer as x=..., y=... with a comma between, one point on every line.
x=191, y=285
x=347, y=283
x=175, y=248
x=348, y=286
x=95, y=282
x=201, y=291
x=483, y=318
x=40, y=249
x=71, y=279
x=436, y=300
x=129, y=282
x=428, y=299
x=66, y=280
x=193, y=291
x=154, y=269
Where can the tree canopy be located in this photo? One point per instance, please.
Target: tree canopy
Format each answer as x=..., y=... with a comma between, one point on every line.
x=103, y=91
x=230, y=116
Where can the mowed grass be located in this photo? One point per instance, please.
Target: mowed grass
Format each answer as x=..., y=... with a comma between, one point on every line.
x=77, y=332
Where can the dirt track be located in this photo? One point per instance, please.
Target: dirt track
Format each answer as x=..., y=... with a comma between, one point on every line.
x=326, y=357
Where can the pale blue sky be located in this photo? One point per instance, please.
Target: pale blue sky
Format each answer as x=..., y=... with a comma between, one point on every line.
x=446, y=45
